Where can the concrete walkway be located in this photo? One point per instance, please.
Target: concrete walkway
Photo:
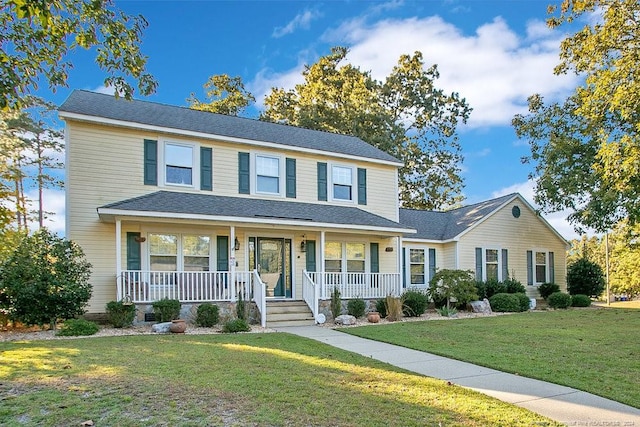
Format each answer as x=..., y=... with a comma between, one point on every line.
x=560, y=403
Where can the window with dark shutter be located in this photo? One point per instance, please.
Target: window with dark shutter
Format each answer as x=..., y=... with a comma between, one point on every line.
x=362, y=186
x=150, y=162
x=206, y=168
x=291, y=178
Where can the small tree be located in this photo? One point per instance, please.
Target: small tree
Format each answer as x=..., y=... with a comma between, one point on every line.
x=46, y=279
x=448, y=285
x=585, y=277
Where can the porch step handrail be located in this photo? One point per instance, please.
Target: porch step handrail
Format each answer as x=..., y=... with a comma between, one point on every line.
x=357, y=285
x=310, y=293
x=260, y=297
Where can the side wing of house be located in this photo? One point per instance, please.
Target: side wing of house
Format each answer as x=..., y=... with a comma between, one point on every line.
x=514, y=242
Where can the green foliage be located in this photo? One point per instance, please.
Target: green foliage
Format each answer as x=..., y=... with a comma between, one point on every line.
x=405, y=115
x=381, y=307
x=513, y=286
x=207, y=315
x=336, y=303
x=356, y=307
x=447, y=312
x=448, y=285
x=414, y=303
x=242, y=309
x=559, y=300
x=235, y=325
x=547, y=289
x=492, y=286
x=38, y=37
x=523, y=301
x=227, y=95
x=46, y=279
x=78, y=327
x=166, y=309
x=120, y=313
x=585, y=277
x=503, y=302
x=579, y=300
x=393, y=308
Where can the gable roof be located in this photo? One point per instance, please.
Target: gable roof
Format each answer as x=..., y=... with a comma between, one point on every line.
x=444, y=226
x=170, y=204
x=102, y=108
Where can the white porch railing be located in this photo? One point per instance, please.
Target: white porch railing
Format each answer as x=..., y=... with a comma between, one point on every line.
x=186, y=286
x=357, y=285
x=310, y=293
x=260, y=297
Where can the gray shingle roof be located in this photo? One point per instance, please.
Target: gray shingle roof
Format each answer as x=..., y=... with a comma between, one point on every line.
x=182, y=118
x=433, y=225
x=247, y=208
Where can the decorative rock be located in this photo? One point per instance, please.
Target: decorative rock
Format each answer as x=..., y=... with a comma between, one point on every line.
x=178, y=326
x=481, y=306
x=161, y=328
x=345, y=319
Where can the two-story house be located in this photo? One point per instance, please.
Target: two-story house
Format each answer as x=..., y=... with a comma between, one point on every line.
x=172, y=202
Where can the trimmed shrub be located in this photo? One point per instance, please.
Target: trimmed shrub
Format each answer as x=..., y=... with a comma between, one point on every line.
x=356, y=307
x=505, y=303
x=580, y=300
x=585, y=277
x=559, y=300
x=336, y=303
x=235, y=325
x=166, y=310
x=452, y=285
x=493, y=287
x=513, y=286
x=120, y=314
x=481, y=289
x=547, y=289
x=207, y=315
x=523, y=300
x=381, y=307
x=78, y=327
x=415, y=303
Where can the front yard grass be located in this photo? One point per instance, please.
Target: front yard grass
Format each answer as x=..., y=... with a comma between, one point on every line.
x=230, y=380
x=595, y=350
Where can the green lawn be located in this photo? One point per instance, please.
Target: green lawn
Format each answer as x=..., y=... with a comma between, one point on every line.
x=246, y=379
x=595, y=350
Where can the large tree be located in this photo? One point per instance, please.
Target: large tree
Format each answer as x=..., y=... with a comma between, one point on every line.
x=587, y=148
x=37, y=37
x=406, y=115
x=226, y=95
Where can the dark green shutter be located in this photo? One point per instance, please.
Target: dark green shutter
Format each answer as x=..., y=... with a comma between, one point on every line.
x=479, y=264
x=222, y=253
x=206, y=168
x=362, y=186
x=505, y=264
x=244, y=174
x=322, y=181
x=432, y=263
x=375, y=257
x=291, y=178
x=552, y=269
x=134, y=258
x=150, y=162
x=529, y=268
x=310, y=247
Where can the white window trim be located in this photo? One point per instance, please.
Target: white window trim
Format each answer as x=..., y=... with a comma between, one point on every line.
x=427, y=259
x=254, y=174
x=213, y=256
x=195, y=170
x=343, y=259
x=484, y=262
x=547, y=273
x=354, y=183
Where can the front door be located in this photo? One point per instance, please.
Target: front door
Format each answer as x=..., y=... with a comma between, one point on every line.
x=274, y=266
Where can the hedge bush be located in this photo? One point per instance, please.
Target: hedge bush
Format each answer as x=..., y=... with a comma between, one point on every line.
x=524, y=301
x=514, y=286
x=381, y=307
x=356, y=307
x=505, y=303
x=120, y=314
x=236, y=325
x=580, y=300
x=207, y=315
x=166, y=310
x=559, y=300
x=547, y=289
x=415, y=303
x=78, y=327
x=585, y=277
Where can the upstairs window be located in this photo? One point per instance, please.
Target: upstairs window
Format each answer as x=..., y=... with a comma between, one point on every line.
x=342, y=180
x=267, y=174
x=178, y=164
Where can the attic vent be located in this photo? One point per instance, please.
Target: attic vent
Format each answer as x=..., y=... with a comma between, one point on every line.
x=149, y=317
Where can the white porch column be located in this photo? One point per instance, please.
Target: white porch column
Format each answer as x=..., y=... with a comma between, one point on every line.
x=400, y=266
x=119, y=283
x=322, y=287
x=232, y=262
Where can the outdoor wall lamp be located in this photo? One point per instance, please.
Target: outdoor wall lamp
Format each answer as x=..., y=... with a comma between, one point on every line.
x=236, y=244
x=303, y=244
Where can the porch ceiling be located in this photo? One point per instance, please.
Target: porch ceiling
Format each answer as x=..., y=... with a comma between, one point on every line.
x=176, y=205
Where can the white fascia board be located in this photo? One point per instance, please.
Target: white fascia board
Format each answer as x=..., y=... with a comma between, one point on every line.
x=161, y=129
x=418, y=240
x=117, y=213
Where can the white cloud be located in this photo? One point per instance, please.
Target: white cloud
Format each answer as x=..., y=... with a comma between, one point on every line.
x=494, y=68
x=302, y=20
x=54, y=202
x=108, y=90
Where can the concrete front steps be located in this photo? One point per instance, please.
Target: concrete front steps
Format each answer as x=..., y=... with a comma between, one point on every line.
x=288, y=313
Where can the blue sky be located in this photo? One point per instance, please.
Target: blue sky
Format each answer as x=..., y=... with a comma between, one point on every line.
x=494, y=53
